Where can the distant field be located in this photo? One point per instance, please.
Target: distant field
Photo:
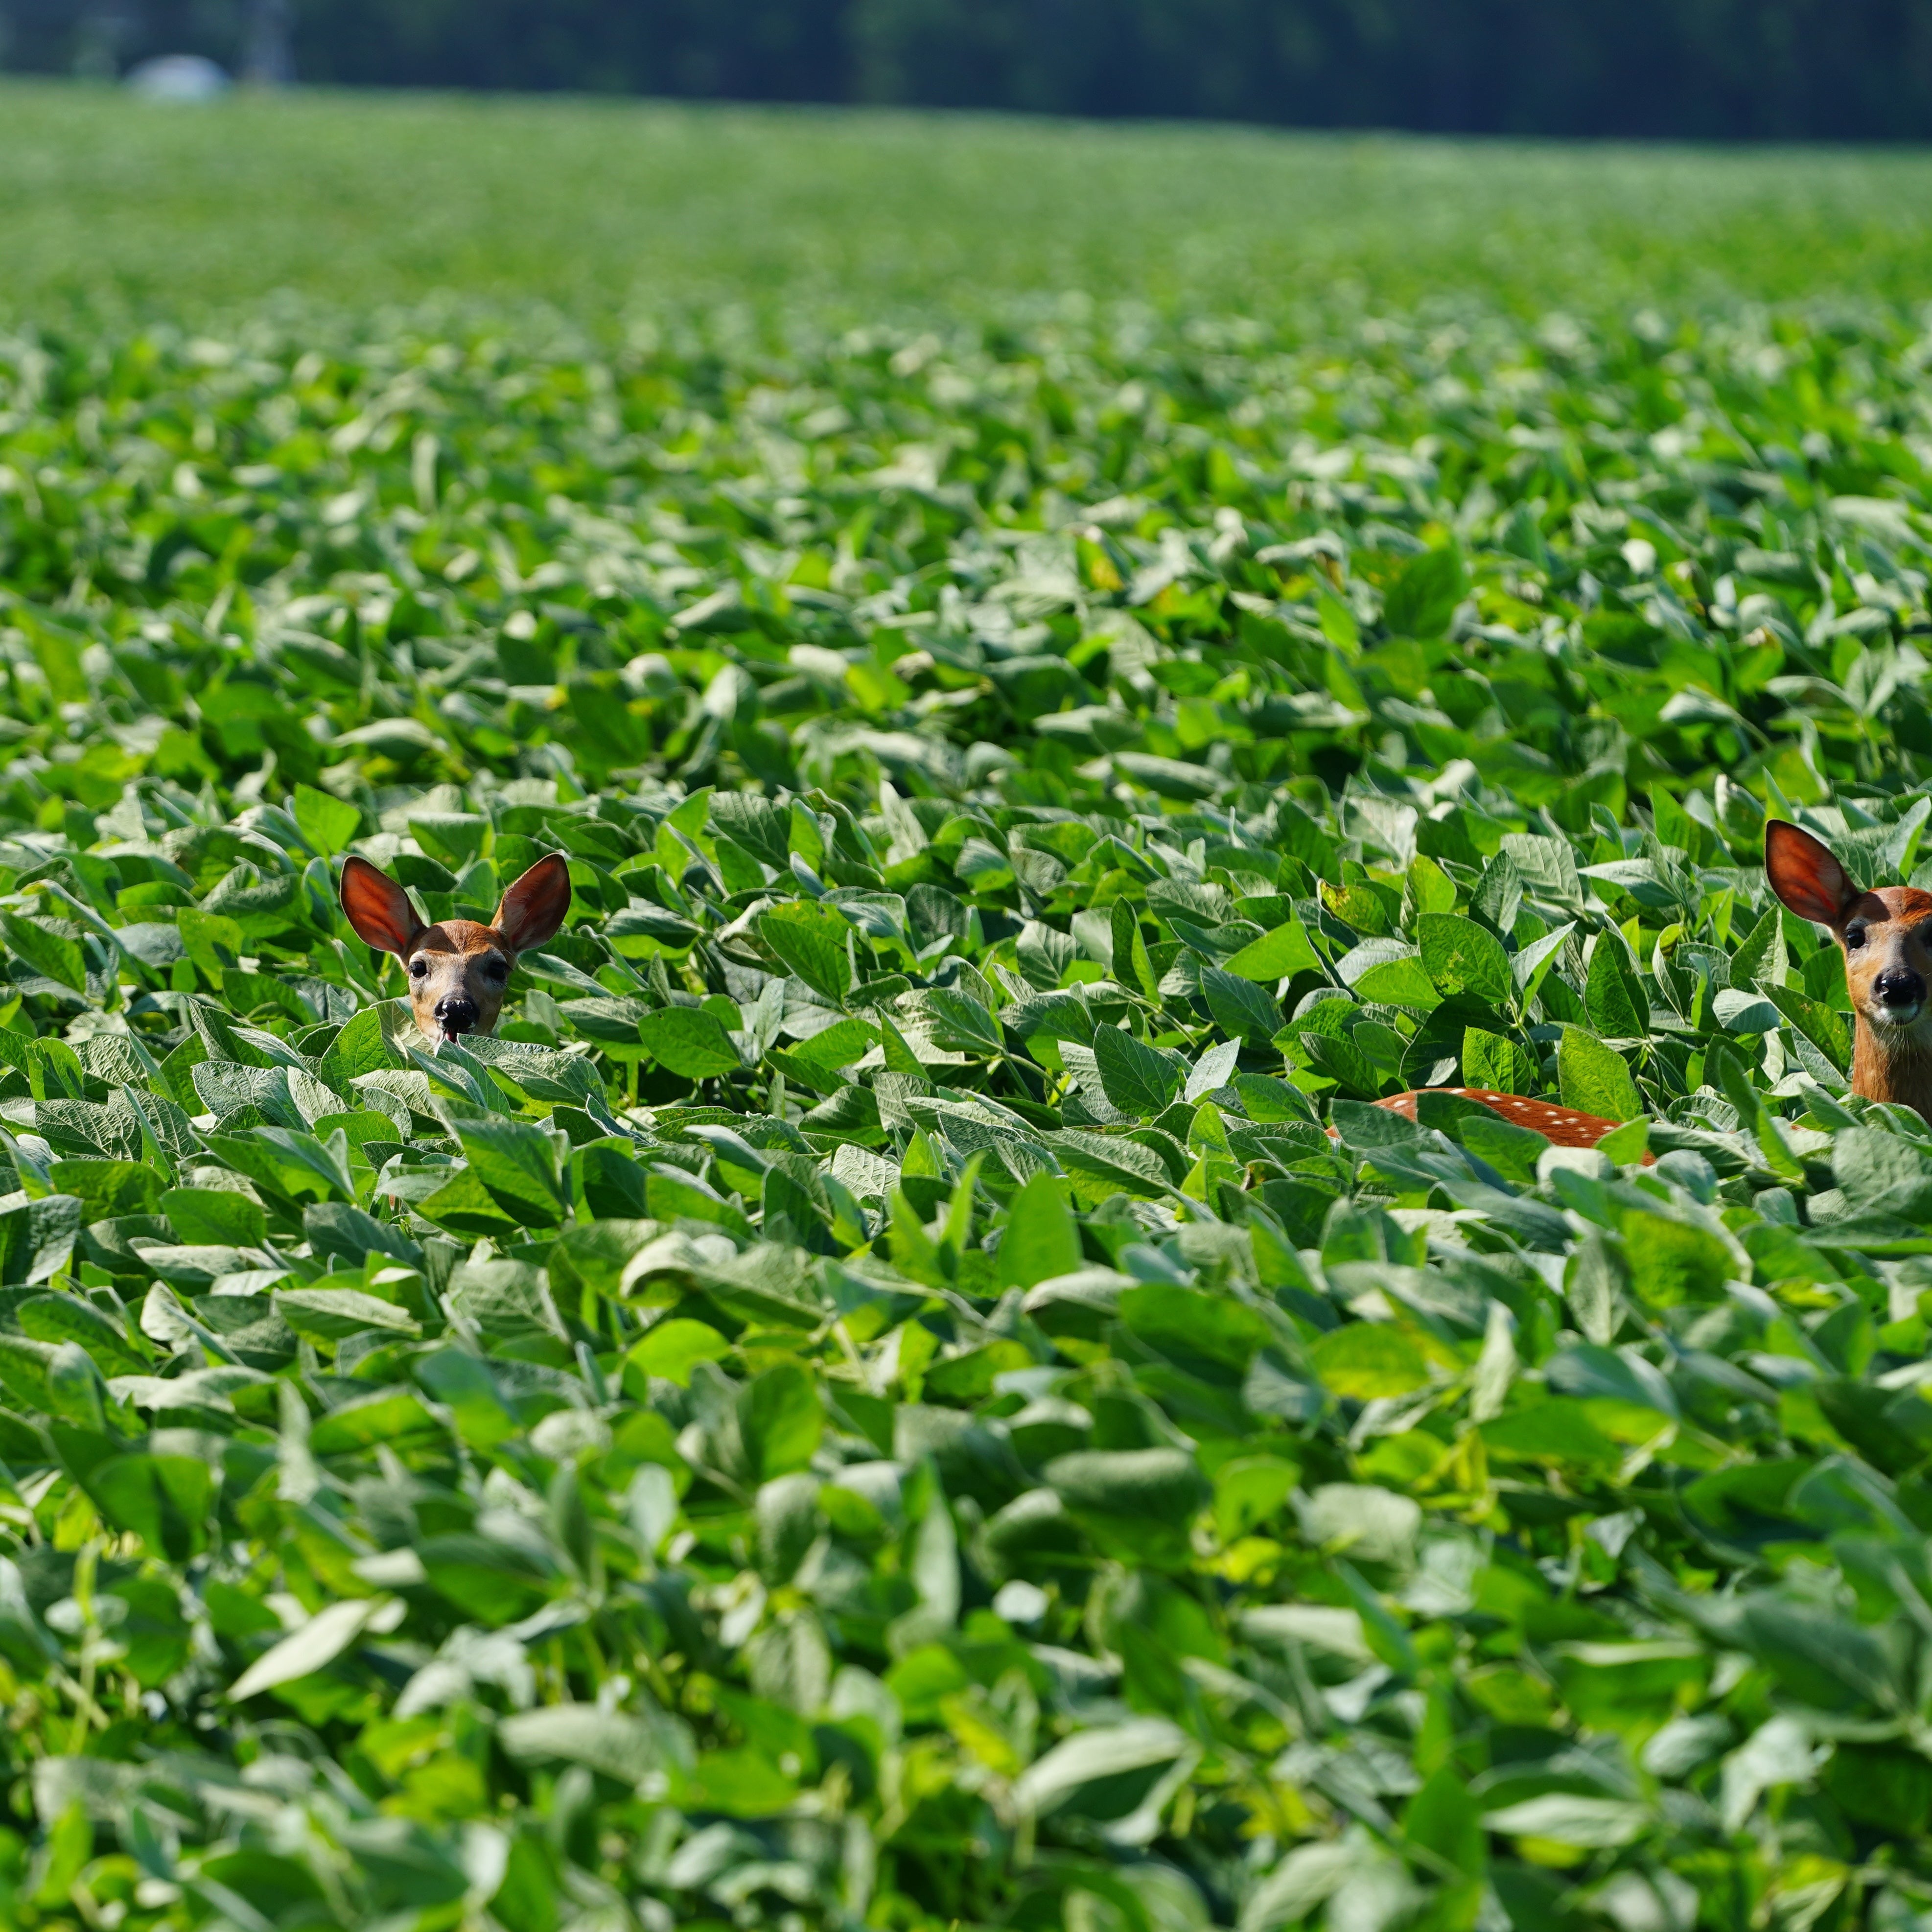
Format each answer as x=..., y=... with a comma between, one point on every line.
x=599, y=206
x=874, y=1400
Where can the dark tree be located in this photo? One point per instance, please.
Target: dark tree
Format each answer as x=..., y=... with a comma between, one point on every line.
x=1751, y=70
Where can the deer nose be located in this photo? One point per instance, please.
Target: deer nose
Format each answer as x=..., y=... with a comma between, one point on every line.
x=1899, y=986
x=456, y=1011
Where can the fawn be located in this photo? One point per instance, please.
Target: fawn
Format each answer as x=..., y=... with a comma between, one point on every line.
x=1886, y=938
x=457, y=969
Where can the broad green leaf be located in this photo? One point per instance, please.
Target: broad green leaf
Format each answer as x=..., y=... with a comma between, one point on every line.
x=689, y=1041
x=456, y=838
x=521, y=1164
x=1673, y=1263
x=673, y=1348
x=1212, y=1338
x=1042, y=1239
x=107, y=1188
x=296, y=1166
x=1212, y=1070
x=671, y=1195
x=364, y=1045
x=212, y=941
x=56, y=955
x=1826, y=1030
x=741, y=1783
x=1431, y=889
x=488, y=1581
x=1138, y=1079
x=1159, y=1486
x=1532, y=963
x=66, y=1318
x=1463, y=961
x=625, y=1748
x=1267, y=1099
x=1241, y=1009
x=779, y=1422
x=1367, y=1360
x=334, y=1314
x=1762, y=959
x=215, y=1215
x=464, y=1206
x=1571, y=1819
x=960, y=1024
x=1491, y=1061
x=163, y=1498
x=1279, y=954
x=1117, y=1776
x=813, y=940
x=1422, y=599
x=1614, y=997
x=37, y=1238
x=328, y=824
x=836, y=1046
x=1111, y=1164
x=1389, y=972
x=396, y=1417
x=593, y=1255
x=1594, y=1078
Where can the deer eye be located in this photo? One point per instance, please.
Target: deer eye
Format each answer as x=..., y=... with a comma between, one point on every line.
x=1855, y=938
x=495, y=969
x=419, y=969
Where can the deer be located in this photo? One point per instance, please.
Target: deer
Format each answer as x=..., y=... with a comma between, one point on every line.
x=458, y=970
x=1886, y=938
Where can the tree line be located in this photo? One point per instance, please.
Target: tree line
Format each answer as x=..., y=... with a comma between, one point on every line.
x=1751, y=70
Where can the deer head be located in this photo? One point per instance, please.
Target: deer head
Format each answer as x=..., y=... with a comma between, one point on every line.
x=457, y=969
x=1886, y=938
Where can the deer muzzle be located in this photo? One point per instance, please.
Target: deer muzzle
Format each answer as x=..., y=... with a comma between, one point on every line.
x=1898, y=996
x=455, y=1015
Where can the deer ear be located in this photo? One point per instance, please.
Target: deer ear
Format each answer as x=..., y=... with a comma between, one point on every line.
x=379, y=909
x=534, y=907
x=1805, y=876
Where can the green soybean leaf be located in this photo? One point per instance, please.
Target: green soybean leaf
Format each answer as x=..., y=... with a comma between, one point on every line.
x=1138, y=1079
x=1042, y=1239
x=45, y=950
x=328, y=824
x=1463, y=961
x=1278, y=954
x=1614, y=997
x=1593, y=1078
x=814, y=941
x=689, y=1041
x=1424, y=598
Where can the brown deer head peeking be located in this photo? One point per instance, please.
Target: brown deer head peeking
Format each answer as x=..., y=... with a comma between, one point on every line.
x=1886, y=938
x=457, y=969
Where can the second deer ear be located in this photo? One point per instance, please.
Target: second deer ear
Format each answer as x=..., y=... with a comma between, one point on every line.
x=1805, y=876
x=535, y=905
x=379, y=909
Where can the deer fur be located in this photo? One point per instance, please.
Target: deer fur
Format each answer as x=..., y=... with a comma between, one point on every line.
x=1886, y=938
x=458, y=970
x=1561, y=1125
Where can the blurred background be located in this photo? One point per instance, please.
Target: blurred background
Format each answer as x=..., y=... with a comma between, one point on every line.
x=1836, y=70
x=861, y=160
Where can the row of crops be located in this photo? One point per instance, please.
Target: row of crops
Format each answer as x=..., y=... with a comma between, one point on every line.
x=906, y=1386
